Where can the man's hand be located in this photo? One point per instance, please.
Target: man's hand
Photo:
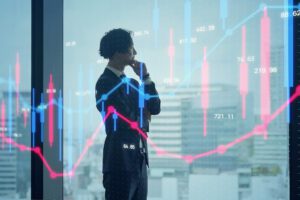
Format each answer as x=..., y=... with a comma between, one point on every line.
x=136, y=66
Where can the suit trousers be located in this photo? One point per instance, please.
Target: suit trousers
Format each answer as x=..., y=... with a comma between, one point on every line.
x=127, y=185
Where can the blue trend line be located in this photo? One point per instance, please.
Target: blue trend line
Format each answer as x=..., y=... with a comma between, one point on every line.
x=228, y=32
x=241, y=23
x=114, y=89
x=135, y=88
x=147, y=96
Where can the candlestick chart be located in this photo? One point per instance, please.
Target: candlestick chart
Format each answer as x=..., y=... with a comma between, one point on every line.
x=223, y=71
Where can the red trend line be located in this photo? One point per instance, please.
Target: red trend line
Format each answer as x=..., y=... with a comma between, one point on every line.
x=50, y=113
x=171, y=53
x=38, y=152
x=205, y=90
x=265, y=102
x=17, y=82
x=221, y=149
x=243, y=74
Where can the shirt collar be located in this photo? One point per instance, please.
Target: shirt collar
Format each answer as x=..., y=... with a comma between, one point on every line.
x=115, y=71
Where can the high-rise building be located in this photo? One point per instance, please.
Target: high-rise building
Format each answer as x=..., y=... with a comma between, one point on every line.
x=15, y=164
x=270, y=156
x=166, y=131
x=224, y=125
x=179, y=129
x=166, y=128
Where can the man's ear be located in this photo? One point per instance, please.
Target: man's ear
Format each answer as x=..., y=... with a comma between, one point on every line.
x=115, y=55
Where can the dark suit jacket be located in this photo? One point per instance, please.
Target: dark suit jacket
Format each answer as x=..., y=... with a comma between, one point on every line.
x=121, y=148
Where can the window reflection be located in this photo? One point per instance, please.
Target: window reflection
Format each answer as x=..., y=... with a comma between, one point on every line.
x=183, y=43
x=15, y=98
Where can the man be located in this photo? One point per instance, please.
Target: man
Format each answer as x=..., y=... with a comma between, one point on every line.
x=125, y=153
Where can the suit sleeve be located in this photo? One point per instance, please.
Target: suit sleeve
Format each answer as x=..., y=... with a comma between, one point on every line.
x=153, y=103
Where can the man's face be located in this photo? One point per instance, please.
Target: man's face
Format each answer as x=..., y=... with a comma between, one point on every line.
x=131, y=54
x=127, y=58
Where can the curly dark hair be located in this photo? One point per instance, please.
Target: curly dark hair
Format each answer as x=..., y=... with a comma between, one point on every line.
x=116, y=40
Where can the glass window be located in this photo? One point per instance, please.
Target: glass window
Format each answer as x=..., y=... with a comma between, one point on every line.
x=221, y=69
x=15, y=99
